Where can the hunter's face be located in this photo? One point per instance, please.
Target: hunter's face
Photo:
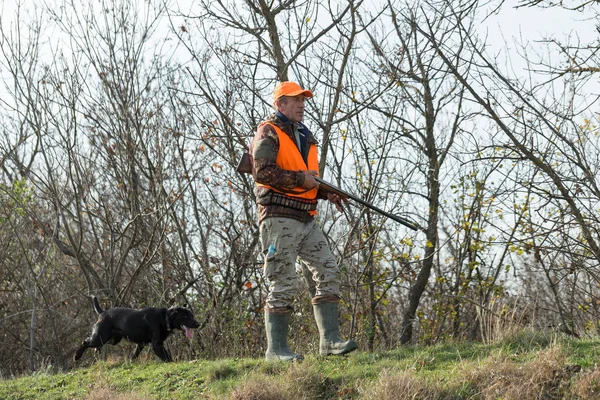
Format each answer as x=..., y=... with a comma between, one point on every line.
x=292, y=107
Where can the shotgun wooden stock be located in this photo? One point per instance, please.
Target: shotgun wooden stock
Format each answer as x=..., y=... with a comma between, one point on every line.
x=245, y=166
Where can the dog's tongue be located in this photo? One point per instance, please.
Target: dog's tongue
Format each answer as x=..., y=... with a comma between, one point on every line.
x=188, y=332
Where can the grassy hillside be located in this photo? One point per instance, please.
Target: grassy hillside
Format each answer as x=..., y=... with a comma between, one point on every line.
x=528, y=365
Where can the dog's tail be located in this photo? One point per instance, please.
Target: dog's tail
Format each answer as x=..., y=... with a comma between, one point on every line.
x=97, y=305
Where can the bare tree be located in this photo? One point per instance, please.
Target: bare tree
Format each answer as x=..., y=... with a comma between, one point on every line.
x=553, y=136
x=423, y=92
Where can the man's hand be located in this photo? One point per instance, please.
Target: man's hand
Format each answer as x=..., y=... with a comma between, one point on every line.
x=309, y=180
x=337, y=200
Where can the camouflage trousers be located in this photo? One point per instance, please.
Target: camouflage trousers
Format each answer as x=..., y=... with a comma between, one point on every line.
x=291, y=240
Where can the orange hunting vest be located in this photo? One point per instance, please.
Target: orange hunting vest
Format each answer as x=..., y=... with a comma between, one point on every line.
x=289, y=158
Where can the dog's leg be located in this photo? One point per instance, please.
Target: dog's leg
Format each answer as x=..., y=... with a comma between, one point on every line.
x=138, y=350
x=99, y=337
x=161, y=352
x=84, y=346
x=115, y=340
x=94, y=341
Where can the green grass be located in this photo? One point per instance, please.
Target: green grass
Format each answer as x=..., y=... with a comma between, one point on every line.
x=534, y=365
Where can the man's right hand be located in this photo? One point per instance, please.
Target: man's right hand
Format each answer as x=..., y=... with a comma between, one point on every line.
x=309, y=180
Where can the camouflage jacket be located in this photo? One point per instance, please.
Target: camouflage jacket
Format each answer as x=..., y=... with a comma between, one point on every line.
x=264, y=148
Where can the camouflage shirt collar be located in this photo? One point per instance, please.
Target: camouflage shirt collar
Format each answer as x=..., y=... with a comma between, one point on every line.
x=286, y=125
x=281, y=121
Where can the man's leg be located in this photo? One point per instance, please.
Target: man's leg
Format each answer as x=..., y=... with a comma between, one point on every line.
x=326, y=315
x=277, y=322
x=308, y=278
x=280, y=273
x=315, y=250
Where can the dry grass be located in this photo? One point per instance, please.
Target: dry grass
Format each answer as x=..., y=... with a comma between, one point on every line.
x=306, y=381
x=106, y=393
x=300, y=381
x=402, y=385
x=586, y=386
x=259, y=388
x=499, y=377
x=501, y=320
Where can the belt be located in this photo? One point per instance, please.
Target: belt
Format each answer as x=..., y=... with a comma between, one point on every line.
x=274, y=198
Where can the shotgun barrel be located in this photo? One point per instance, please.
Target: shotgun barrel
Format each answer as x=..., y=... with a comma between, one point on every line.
x=245, y=166
x=342, y=193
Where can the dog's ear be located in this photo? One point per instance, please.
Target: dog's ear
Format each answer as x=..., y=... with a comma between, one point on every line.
x=186, y=305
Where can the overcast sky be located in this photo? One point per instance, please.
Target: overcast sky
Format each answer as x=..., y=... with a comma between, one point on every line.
x=528, y=25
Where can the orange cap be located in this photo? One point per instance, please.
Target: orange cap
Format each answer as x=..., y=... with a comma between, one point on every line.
x=288, y=88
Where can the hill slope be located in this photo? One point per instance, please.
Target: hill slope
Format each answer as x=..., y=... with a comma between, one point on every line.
x=529, y=365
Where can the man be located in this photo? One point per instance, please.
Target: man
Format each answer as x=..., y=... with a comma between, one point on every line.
x=285, y=165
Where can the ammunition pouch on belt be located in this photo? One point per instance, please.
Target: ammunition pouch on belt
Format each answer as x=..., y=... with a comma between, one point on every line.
x=274, y=198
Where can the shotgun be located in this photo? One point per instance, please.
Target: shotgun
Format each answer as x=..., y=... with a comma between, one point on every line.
x=246, y=166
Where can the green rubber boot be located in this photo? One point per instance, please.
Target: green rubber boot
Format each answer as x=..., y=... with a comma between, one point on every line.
x=276, y=325
x=330, y=343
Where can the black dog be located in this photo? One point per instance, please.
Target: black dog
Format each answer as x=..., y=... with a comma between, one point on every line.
x=148, y=325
